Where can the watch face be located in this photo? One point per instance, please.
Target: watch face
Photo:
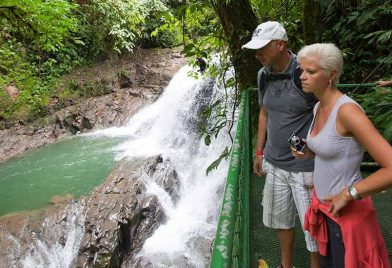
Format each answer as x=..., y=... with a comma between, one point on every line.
x=353, y=192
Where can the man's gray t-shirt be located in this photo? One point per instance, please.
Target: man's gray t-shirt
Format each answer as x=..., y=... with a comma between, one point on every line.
x=288, y=112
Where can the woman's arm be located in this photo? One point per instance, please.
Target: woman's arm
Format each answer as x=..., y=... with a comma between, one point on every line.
x=352, y=121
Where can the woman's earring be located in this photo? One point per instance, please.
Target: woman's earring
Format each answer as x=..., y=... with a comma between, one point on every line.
x=330, y=83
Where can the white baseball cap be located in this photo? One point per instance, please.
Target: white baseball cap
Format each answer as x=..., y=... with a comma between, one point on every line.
x=265, y=33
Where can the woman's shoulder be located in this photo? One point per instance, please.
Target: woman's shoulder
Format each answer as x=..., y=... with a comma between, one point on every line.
x=347, y=99
x=350, y=117
x=349, y=104
x=349, y=109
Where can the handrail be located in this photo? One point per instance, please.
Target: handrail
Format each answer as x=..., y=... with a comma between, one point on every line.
x=349, y=85
x=232, y=230
x=357, y=85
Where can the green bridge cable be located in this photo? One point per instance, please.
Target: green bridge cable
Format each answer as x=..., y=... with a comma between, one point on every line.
x=349, y=85
x=357, y=85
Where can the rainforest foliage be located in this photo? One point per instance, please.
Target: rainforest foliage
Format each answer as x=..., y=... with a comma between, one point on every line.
x=41, y=40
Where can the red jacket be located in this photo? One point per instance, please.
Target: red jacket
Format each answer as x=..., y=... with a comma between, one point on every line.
x=362, y=238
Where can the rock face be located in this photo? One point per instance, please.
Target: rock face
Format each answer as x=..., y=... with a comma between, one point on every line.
x=140, y=82
x=100, y=230
x=120, y=216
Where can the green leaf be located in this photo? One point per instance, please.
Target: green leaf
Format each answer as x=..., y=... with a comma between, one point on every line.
x=215, y=164
x=207, y=140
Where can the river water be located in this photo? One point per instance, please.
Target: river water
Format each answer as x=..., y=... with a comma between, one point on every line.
x=72, y=166
x=169, y=127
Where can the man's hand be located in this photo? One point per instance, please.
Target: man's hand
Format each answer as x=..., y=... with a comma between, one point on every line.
x=257, y=167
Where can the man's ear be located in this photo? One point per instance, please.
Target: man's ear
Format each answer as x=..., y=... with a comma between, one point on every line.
x=281, y=44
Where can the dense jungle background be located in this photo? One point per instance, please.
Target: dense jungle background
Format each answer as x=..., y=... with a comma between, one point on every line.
x=42, y=43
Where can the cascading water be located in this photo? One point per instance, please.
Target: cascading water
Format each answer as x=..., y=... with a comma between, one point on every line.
x=167, y=127
x=45, y=254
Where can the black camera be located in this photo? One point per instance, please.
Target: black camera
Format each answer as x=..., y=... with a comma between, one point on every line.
x=296, y=142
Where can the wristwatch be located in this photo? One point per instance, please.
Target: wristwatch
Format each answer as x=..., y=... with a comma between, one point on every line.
x=353, y=192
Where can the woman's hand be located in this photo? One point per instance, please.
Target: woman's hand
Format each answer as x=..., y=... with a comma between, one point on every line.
x=338, y=202
x=306, y=152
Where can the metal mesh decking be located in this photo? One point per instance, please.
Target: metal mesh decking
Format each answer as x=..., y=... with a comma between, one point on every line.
x=263, y=242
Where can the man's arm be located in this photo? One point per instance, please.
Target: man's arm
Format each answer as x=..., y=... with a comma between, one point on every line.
x=261, y=134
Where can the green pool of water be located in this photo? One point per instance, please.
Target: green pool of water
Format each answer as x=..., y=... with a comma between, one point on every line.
x=73, y=166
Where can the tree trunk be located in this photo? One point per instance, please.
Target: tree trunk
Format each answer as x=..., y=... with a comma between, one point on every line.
x=310, y=20
x=239, y=21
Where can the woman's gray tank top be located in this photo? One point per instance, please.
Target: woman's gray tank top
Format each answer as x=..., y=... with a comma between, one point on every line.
x=338, y=158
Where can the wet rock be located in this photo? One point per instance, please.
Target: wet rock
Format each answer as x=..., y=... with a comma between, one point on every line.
x=120, y=216
x=104, y=229
x=164, y=174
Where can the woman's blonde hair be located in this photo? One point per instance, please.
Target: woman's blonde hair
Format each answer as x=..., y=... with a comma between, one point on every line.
x=330, y=57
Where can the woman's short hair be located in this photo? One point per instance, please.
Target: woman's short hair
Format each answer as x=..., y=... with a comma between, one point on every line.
x=330, y=57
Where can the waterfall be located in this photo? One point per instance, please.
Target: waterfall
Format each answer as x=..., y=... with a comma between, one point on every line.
x=43, y=254
x=169, y=127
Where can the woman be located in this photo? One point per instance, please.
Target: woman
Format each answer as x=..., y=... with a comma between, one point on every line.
x=342, y=217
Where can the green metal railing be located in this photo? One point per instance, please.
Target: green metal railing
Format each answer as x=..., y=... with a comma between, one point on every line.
x=357, y=85
x=231, y=247
x=231, y=244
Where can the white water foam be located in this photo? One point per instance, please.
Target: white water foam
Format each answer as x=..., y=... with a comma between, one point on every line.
x=42, y=255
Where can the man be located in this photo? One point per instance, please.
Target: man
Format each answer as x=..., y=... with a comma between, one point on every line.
x=284, y=109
